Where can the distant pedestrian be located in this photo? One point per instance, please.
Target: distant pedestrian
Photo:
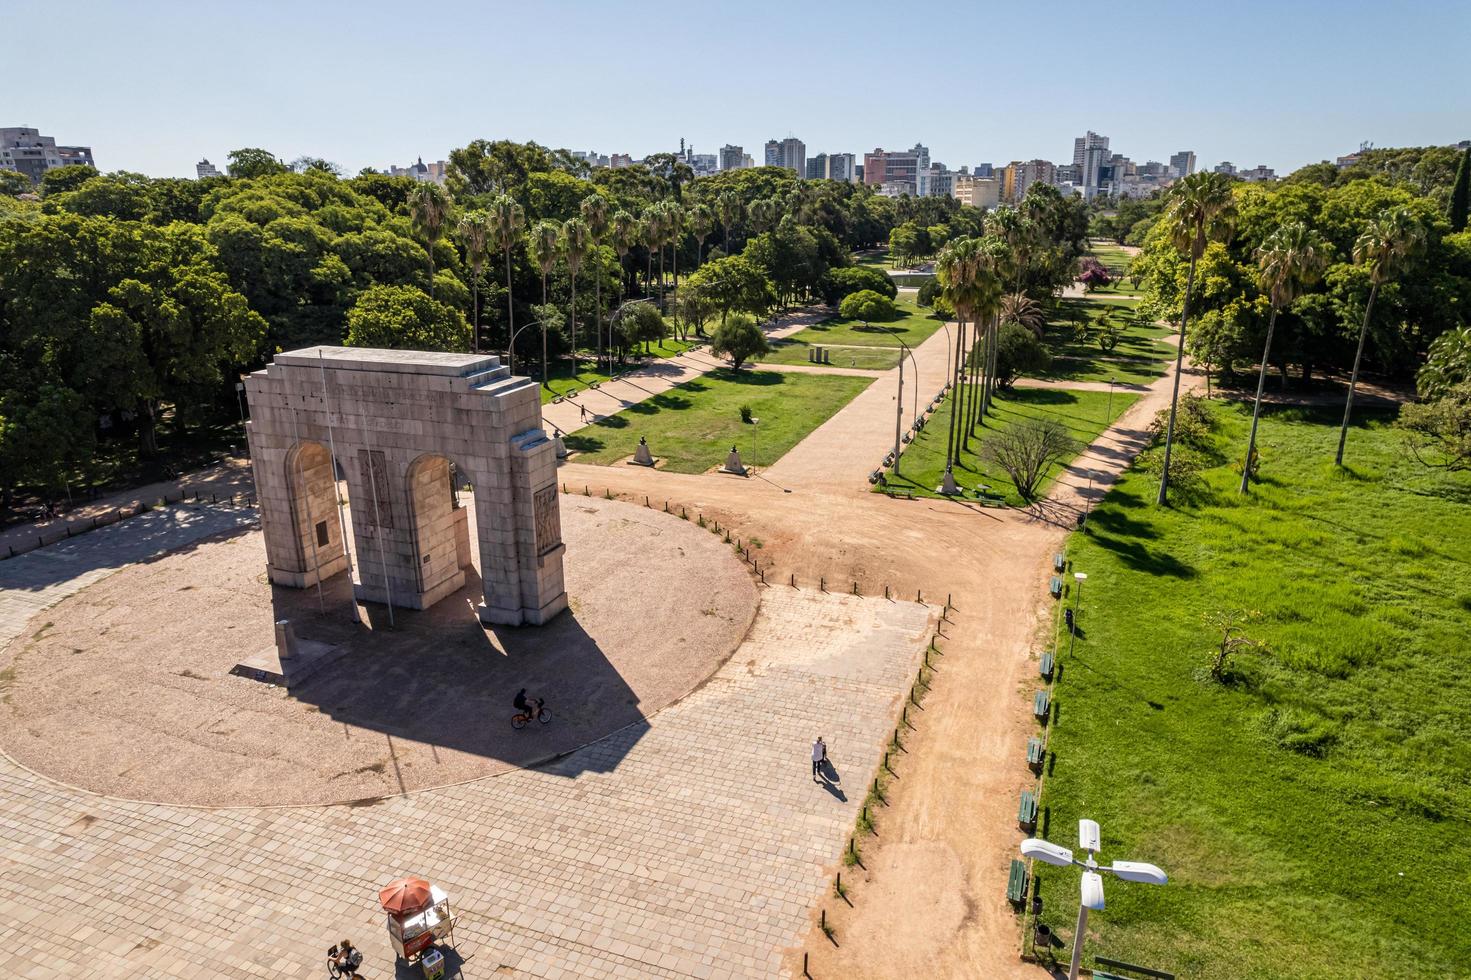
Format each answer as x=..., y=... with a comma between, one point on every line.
x=819, y=756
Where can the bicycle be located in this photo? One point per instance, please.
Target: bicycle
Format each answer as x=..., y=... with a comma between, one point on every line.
x=348, y=970
x=523, y=718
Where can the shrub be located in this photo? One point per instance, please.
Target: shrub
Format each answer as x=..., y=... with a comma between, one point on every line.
x=840, y=283
x=746, y=415
x=868, y=306
x=740, y=339
x=1019, y=352
x=1028, y=449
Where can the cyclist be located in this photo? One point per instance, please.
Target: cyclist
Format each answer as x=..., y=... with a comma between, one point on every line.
x=530, y=707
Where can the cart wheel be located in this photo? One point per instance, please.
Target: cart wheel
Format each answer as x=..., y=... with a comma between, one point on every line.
x=543, y=716
x=518, y=721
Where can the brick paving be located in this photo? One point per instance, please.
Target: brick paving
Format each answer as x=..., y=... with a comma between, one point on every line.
x=698, y=854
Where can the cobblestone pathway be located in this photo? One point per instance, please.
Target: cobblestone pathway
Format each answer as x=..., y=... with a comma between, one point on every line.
x=699, y=854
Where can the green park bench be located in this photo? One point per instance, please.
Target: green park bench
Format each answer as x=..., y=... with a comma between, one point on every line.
x=1045, y=667
x=1139, y=971
x=1059, y=563
x=1035, y=754
x=1055, y=586
x=1016, y=883
x=1026, y=814
x=1042, y=706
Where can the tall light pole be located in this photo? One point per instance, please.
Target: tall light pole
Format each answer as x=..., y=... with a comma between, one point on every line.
x=1091, y=886
x=899, y=399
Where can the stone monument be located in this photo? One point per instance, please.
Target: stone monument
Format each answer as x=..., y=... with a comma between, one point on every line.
x=405, y=429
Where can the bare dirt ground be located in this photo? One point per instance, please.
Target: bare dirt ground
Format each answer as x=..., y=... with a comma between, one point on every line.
x=125, y=688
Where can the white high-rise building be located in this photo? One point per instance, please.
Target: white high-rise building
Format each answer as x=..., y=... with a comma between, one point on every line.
x=790, y=153
x=26, y=150
x=204, y=169
x=1182, y=164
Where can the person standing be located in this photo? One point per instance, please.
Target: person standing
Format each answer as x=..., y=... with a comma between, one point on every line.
x=819, y=756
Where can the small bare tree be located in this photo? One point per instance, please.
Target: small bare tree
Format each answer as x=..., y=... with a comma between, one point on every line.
x=1232, y=626
x=1027, y=450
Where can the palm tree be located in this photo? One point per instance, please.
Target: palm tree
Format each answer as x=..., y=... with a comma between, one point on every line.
x=728, y=209
x=1197, y=207
x=1021, y=309
x=1386, y=243
x=674, y=228
x=702, y=223
x=429, y=209
x=652, y=234
x=594, y=210
x=1291, y=258
x=625, y=235
x=996, y=259
x=764, y=214
x=576, y=242
x=474, y=231
x=957, y=269
x=506, y=222
x=545, y=239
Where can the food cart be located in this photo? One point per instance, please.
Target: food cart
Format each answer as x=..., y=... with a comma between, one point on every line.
x=418, y=917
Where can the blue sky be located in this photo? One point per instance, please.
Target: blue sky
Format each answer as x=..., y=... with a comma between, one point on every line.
x=154, y=86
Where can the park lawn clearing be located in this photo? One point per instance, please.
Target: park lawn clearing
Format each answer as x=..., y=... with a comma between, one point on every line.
x=692, y=426
x=1140, y=357
x=1114, y=258
x=1314, y=811
x=914, y=327
x=869, y=358
x=922, y=464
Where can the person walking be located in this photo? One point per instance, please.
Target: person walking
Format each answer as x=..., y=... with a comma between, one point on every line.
x=819, y=756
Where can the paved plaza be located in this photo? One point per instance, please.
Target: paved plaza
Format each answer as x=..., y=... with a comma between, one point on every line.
x=693, y=844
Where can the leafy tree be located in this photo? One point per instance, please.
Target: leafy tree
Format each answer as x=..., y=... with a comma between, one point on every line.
x=702, y=224
x=642, y=323
x=1447, y=365
x=405, y=318
x=1382, y=250
x=59, y=180
x=1028, y=449
x=740, y=339
x=44, y=435
x=596, y=215
x=625, y=235
x=303, y=164
x=736, y=285
x=1199, y=206
x=254, y=162
x=728, y=209
x=868, y=306
x=841, y=282
x=1019, y=352
x=429, y=210
x=1292, y=258
x=13, y=183
x=1461, y=193
x=1438, y=433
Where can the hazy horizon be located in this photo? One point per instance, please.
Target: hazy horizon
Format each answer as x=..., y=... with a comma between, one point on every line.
x=154, y=88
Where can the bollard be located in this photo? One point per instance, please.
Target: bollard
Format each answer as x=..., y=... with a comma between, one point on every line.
x=585, y=491
x=919, y=595
x=865, y=813
x=804, y=967
x=94, y=523
x=904, y=717
x=838, y=885
x=794, y=580
x=763, y=575
x=822, y=583
x=666, y=506
x=824, y=920
x=855, y=588
x=646, y=500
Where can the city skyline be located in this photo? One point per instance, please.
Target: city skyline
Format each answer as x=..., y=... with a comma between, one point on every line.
x=327, y=87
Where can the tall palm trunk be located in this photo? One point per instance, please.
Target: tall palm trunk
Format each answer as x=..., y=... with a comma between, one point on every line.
x=1256, y=408
x=510, y=316
x=475, y=314
x=546, y=379
x=1164, y=478
x=967, y=374
x=674, y=252
x=574, y=325
x=954, y=395
x=597, y=303
x=1353, y=380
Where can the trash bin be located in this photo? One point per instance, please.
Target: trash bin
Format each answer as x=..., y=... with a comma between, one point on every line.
x=433, y=963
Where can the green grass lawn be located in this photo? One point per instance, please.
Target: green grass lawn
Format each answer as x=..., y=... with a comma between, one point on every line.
x=914, y=326
x=1314, y=811
x=1140, y=356
x=1082, y=412
x=870, y=358
x=562, y=383
x=1113, y=257
x=692, y=427
x=874, y=260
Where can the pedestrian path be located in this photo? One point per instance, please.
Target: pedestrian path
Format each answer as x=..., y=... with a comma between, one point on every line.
x=31, y=582
x=689, y=845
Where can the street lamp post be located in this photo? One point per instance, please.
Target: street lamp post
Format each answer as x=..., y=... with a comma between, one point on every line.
x=1091, y=886
x=1080, y=578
